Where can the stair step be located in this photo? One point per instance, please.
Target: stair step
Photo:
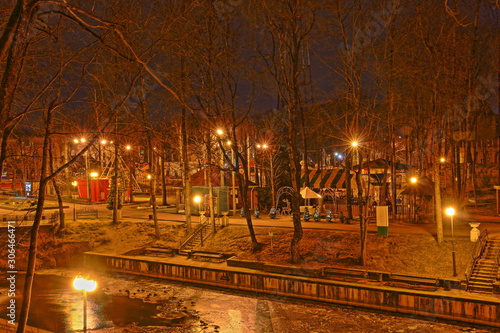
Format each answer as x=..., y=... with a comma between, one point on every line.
x=483, y=275
x=481, y=279
x=485, y=269
x=484, y=287
x=473, y=287
x=487, y=265
x=480, y=284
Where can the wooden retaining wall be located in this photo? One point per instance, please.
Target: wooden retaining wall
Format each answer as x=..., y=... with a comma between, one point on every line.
x=434, y=304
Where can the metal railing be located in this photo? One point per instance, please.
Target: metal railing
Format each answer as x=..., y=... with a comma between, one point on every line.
x=198, y=231
x=478, y=252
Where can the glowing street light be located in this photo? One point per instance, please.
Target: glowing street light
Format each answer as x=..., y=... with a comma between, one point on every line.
x=354, y=143
x=450, y=211
x=413, y=181
x=75, y=184
x=197, y=199
x=86, y=285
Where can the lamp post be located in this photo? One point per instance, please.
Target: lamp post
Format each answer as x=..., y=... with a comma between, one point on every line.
x=83, y=141
x=197, y=199
x=413, y=181
x=86, y=285
x=75, y=184
x=450, y=211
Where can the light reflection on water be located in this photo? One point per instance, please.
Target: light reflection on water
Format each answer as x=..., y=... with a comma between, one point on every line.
x=57, y=307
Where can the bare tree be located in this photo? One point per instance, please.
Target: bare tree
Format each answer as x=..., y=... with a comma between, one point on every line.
x=288, y=25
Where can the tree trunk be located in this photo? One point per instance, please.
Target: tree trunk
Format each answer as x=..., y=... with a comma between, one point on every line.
x=60, y=202
x=33, y=247
x=185, y=170
x=116, y=198
x=437, y=200
x=248, y=214
x=210, y=185
x=163, y=181
x=152, y=184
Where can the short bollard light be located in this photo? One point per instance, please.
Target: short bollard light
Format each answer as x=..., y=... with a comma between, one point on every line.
x=86, y=285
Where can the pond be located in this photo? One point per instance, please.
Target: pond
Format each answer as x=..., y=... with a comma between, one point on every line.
x=56, y=306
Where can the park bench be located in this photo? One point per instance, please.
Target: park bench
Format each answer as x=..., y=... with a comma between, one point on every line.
x=159, y=251
x=207, y=256
x=86, y=212
x=414, y=280
x=344, y=273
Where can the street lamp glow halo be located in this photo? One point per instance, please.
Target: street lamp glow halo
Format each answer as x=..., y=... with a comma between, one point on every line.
x=94, y=174
x=197, y=199
x=450, y=211
x=413, y=179
x=81, y=283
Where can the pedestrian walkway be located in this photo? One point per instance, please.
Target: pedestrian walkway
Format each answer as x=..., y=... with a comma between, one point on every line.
x=139, y=212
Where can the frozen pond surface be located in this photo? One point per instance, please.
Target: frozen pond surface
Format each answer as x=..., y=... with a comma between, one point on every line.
x=125, y=303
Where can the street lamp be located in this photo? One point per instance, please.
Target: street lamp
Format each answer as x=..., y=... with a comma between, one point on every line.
x=197, y=199
x=75, y=184
x=82, y=141
x=413, y=181
x=86, y=285
x=450, y=211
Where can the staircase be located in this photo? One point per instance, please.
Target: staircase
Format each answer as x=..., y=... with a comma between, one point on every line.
x=202, y=232
x=485, y=269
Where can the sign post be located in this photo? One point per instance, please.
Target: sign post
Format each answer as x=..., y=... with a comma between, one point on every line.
x=382, y=214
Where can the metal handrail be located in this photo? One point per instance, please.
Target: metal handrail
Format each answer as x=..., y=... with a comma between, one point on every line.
x=193, y=234
x=480, y=247
x=198, y=230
